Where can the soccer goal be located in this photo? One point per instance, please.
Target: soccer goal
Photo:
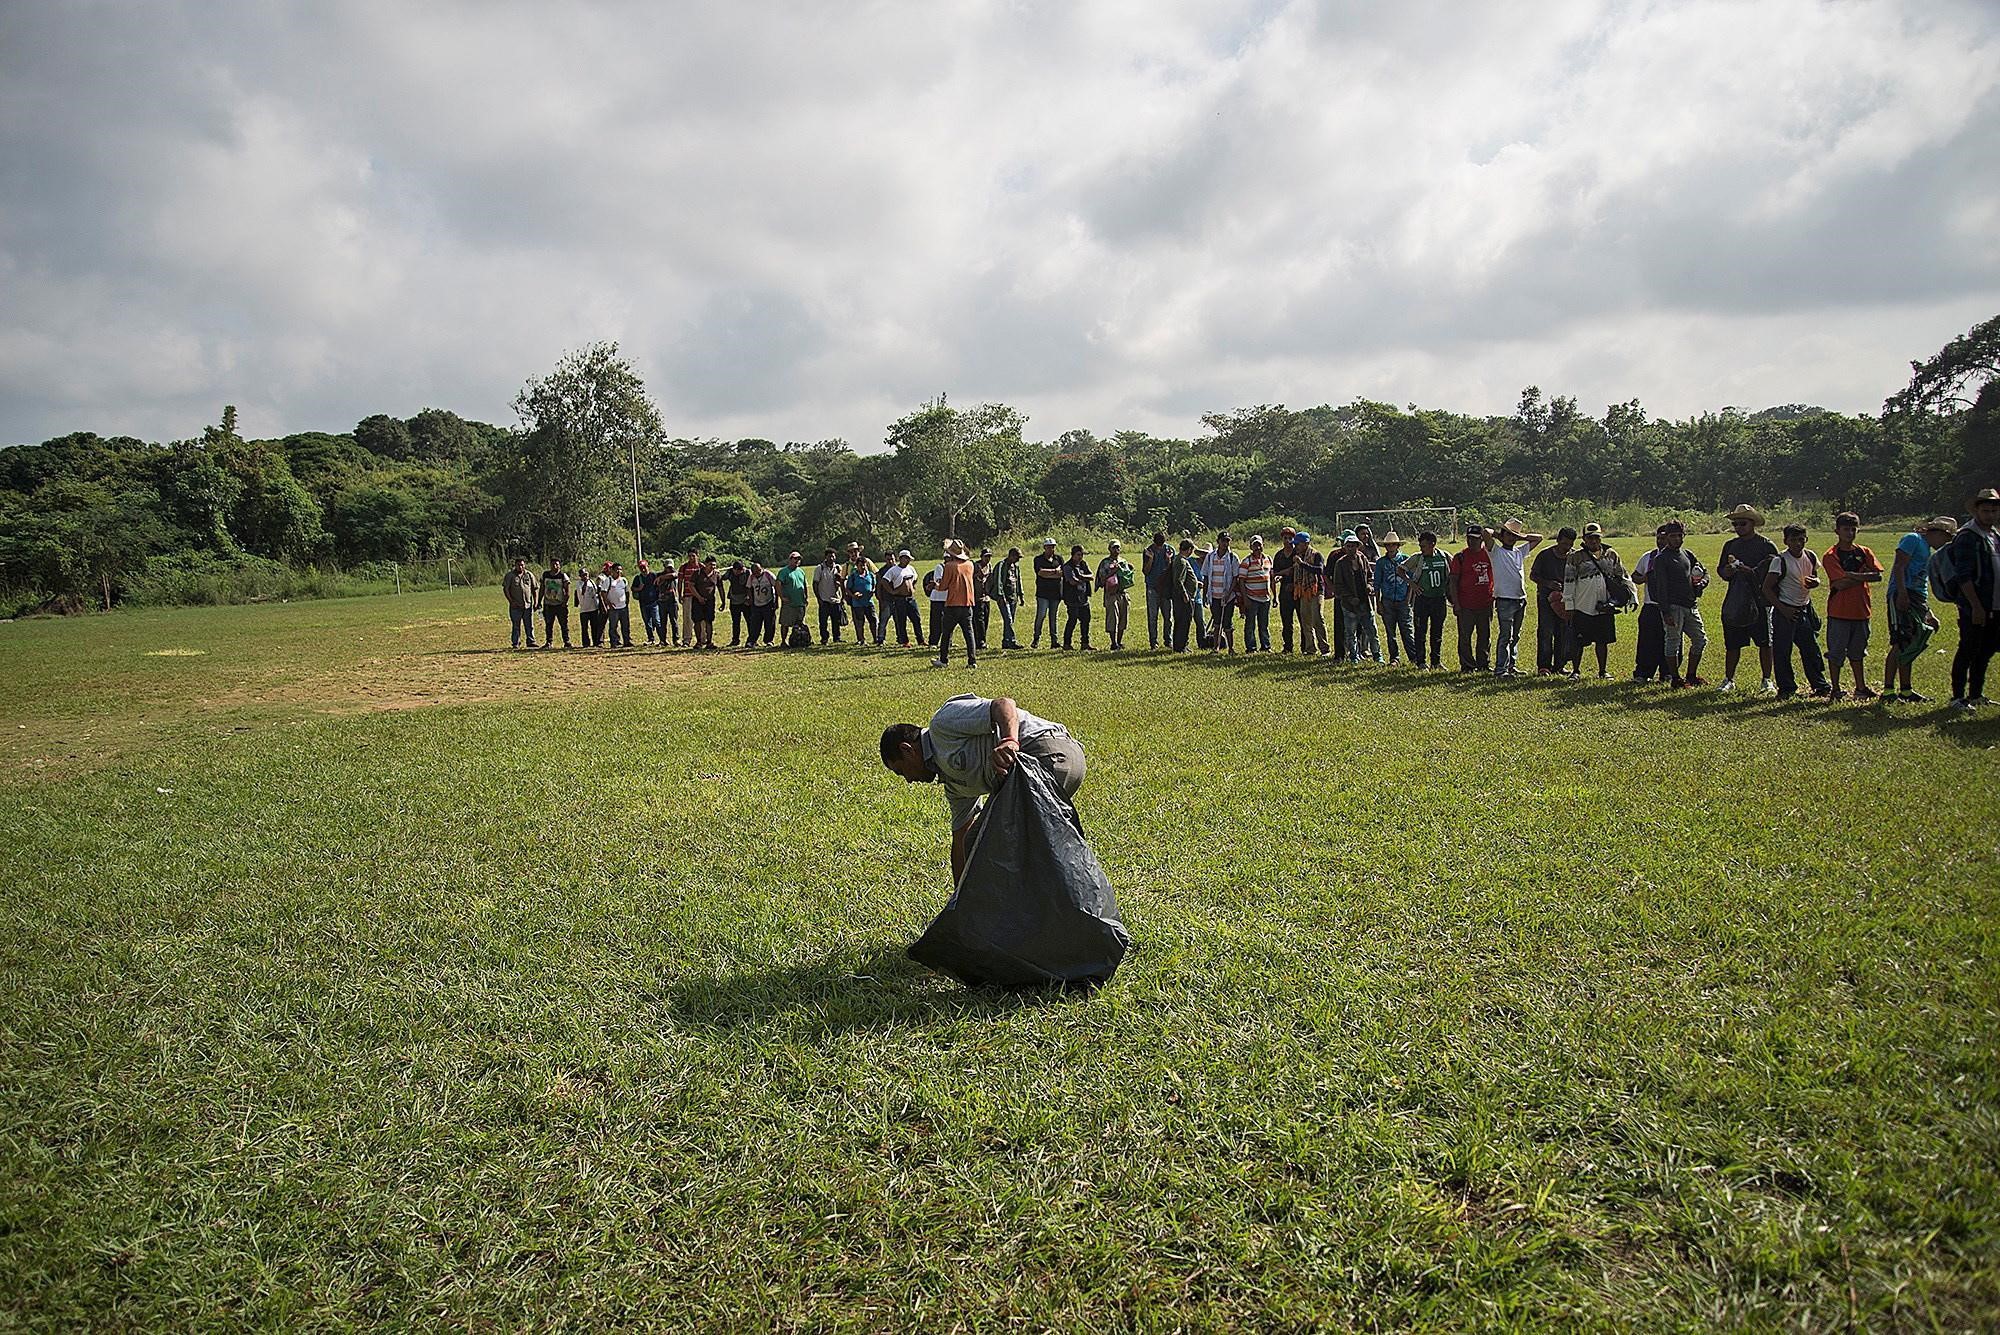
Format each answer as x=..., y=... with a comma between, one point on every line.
x=1408, y=521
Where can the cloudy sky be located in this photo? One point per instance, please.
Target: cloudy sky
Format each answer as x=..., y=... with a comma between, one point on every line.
x=801, y=220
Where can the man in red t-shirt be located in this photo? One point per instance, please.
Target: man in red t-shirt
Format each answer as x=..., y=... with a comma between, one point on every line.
x=1470, y=592
x=1850, y=569
x=955, y=578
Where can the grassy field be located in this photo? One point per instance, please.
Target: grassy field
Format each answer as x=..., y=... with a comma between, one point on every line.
x=359, y=971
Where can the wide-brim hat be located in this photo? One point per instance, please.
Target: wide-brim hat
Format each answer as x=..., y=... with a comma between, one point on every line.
x=1986, y=494
x=954, y=548
x=1746, y=511
x=1942, y=523
x=1515, y=527
x=1392, y=539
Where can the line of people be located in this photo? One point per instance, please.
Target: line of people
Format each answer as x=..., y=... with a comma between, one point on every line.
x=1330, y=603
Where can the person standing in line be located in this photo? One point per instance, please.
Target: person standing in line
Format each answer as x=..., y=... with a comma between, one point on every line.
x=1911, y=622
x=1595, y=589
x=1746, y=613
x=829, y=588
x=1218, y=576
x=555, y=605
x=1009, y=595
x=793, y=590
x=859, y=590
x=1677, y=584
x=934, y=601
x=1181, y=582
x=1114, y=577
x=1392, y=595
x=1281, y=582
x=1353, y=582
x=1430, y=589
x=1308, y=587
x=1471, y=595
x=523, y=591
x=1849, y=608
x=668, y=585
x=897, y=587
x=618, y=606
x=763, y=606
x=1974, y=584
x=1048, y=592
x=742, y=616
x=1077, y=579
x=1546, y=574
x=589, y=609
x=702, y=585
x=1646, y=654
x=1153, y=563
x=1510, y=594
x=648, y=597
x=1199, y=607
x=982, y=597
x=1253, y=583
x=955, y=612
x=1788, y=586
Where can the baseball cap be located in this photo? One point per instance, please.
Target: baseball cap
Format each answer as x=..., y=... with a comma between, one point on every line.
x=1302, y=536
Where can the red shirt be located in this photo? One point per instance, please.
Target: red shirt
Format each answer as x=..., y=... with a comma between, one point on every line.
x=1472, y=579
x=1851, y=603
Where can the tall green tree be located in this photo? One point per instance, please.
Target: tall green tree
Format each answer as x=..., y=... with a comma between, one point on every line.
x=581, y=426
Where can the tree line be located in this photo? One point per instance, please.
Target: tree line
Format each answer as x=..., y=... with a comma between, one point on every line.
x=87, y=520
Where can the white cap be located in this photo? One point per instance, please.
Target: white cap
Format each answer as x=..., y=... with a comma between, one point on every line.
x=903, y=555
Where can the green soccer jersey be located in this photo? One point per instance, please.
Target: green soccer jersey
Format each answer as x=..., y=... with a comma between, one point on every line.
x=1433, y=574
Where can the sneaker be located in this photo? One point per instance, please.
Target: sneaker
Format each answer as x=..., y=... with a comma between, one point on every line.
x=1980, y=702
x=1783, y=696
x=1864, y=693
x=1833, y=696
x=1726, y=687
x=1697, y=681
x=1958, y=706
x=1770, y=687
x=939, y=662
x=1916, y=699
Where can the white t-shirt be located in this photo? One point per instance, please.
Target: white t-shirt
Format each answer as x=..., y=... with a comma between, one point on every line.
x=1509, y=564
x=615, y=593
x=586, y=594
x=896, y=577
x=937, y=584
x=1792, y=572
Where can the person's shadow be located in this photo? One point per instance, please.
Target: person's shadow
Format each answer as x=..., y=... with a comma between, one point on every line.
x=874, y=987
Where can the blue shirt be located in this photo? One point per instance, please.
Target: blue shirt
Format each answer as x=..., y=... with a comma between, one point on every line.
x=1919, y=552
x=1391, y=584
x=861, y=585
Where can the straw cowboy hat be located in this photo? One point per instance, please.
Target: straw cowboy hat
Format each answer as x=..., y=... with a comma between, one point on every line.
x=1515, y=527
x=1392, y=539
x=1746, y=511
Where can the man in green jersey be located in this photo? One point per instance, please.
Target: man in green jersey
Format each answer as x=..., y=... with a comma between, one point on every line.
x=1430, y=576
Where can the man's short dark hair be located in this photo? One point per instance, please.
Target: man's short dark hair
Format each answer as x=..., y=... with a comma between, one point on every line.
x=1160, y=536
x=1565, y=532
x=1799, y=529
x=1427, y=536
x=895, y=735
x=1847, y=517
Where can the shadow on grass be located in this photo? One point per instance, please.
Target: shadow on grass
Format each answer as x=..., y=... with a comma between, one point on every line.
x=876, y=988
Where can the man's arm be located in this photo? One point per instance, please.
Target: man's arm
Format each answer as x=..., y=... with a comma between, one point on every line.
x=1898, y=582
x=1007, y=726
x=1771, y=587
x=959, y=851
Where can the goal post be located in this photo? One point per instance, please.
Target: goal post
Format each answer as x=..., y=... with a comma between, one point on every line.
x=1407, y=520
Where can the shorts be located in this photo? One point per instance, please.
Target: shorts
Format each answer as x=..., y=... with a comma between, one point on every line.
x=702, y=610
x=1845, y=638
x=1757, y=632
x=1905, y=627
x=1599, y=629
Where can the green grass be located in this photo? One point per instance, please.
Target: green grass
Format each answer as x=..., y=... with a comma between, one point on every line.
x=448, y=986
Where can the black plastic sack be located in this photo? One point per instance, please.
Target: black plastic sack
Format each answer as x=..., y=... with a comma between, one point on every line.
x=1033, y=906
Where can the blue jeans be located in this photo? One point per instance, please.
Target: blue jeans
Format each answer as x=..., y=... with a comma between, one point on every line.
x=1007, y=640
x=1396, y=626
x=1802, y=630
x=1045, y=609
x=1256, y=626
x=1159, y=614
x=521, y=620
x=1507, y=616
x=649, y=617
x=902, y=613
x=1361, y=641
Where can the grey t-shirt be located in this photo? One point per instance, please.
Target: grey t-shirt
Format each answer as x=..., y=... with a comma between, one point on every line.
x=960, y=742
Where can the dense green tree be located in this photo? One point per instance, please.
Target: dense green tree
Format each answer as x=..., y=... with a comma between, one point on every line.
x=582, y=425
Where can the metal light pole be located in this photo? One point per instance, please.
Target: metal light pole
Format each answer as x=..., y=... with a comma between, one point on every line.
x=638, y=539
